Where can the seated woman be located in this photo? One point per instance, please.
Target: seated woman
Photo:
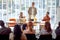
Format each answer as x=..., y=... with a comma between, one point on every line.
x=18, y=35
x=46, y=18
x=46, y=32
x=58, y=32
x=22, y=18
x=29, y=32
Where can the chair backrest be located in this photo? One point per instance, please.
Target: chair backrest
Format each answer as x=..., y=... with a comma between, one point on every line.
x=12, y=22
x=12, y=19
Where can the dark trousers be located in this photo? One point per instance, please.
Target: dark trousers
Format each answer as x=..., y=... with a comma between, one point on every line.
x=4, y=37
x=31, y=37
x=45, y=37
x=17, y=38
x=58, y=37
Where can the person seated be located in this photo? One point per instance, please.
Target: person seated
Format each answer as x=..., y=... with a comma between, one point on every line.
x=18, y=34
x=46, y=18
x=29, y=32
x=22, y=21
x=45, y=32
x=57, y=31
x=22, y=18
x=4, y=31
x=21, y=15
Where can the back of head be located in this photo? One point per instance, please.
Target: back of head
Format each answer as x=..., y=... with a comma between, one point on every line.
x=17, y=30
x=4, y=30
x=48, y=26
x=1, y=23
x=59, y=24
x=30, y=23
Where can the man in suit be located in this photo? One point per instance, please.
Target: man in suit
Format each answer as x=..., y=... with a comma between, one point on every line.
x=32, y=11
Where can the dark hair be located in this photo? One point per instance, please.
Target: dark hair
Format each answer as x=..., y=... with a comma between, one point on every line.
x=47, y=12
x=59, y=24
x=48, y=27
x=1, y=23
x=17, y=31
x=33, y=3
x=30, y=23
x=21, y=12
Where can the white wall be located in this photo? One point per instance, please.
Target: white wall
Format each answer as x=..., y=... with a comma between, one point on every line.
x=58, y=14
x=59, y=2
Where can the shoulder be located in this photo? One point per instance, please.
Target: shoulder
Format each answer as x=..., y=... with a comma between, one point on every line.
x=23, y=37
x=25, y=31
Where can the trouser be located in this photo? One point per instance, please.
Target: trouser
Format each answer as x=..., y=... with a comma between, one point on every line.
x=58, y=37
x=45, y=37
x=30, y=18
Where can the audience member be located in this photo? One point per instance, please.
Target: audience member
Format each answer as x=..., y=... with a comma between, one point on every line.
x=58, y=32
x=4, y=31
x=18, y=35
x=45, y=33
x=29, y=32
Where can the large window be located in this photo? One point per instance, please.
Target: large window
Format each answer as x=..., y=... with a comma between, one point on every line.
x=12, y=9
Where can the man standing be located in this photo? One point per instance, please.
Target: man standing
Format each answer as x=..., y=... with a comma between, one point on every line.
x=32, y=11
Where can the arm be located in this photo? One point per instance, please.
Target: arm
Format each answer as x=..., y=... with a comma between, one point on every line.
x=23, y=37
x=43, y=19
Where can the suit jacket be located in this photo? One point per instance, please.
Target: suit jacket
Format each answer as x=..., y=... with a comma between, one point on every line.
x=30, y=11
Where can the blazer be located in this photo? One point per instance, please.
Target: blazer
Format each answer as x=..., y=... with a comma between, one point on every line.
x=30, y=11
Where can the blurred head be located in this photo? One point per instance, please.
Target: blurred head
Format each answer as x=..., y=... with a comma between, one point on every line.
x=21, y=13
x=1, y=23
x=33, y=4
x=30, y=25
x=59, y=24
x=48, y=26
x=47, y=13
x=17, y=30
